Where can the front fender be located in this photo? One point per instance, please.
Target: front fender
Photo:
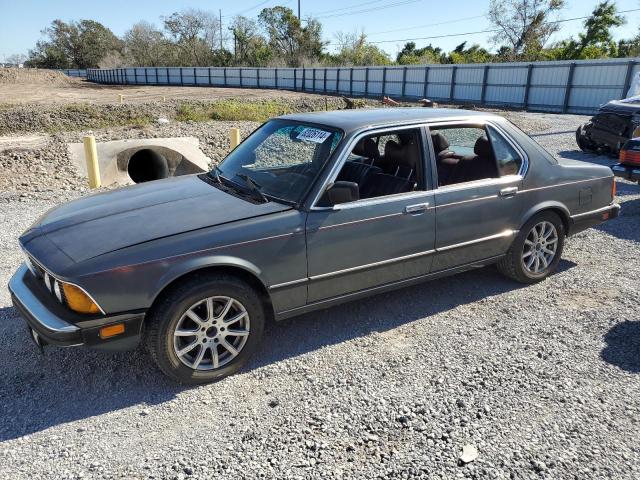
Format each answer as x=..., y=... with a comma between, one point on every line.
x=193, y=264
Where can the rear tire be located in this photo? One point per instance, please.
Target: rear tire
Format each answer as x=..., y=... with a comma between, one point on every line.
x=205, y=329
x=536, y=251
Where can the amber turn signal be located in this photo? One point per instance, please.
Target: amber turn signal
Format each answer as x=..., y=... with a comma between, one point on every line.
x=112, y=330
x=613, y=189
x=77, y=300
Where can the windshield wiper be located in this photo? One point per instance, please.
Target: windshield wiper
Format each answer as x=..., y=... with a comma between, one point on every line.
x=253, y=186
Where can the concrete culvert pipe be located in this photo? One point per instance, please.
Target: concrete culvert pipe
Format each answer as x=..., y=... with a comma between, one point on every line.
x=146, y=165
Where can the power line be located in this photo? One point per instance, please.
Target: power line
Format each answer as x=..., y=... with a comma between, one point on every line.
x=333, y=10
x=379, y=7
x=428, y=25
x=481, y=31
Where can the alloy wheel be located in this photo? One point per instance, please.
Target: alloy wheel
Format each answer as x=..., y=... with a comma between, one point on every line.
x=211, y=333
x=540, y=247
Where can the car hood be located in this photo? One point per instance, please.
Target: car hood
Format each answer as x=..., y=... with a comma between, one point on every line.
x=627, y=106
x=109, y=221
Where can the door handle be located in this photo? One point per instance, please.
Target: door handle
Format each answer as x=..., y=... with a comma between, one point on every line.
x=508, y=192
x=417, y=208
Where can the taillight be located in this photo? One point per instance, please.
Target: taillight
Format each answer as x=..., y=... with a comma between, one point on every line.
x=630, y=157
x=630, y=152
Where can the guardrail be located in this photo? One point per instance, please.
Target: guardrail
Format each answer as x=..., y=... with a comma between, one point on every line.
x=569, y=87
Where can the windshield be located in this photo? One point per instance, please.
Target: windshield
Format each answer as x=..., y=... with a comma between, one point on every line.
x=281, y=159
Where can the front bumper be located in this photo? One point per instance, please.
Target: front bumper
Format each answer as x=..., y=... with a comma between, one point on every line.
x=626, y=171
x=586, y=220
x=57, y=325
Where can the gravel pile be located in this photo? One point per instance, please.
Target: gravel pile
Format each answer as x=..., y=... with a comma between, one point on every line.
x=471, y=376
x=33, y=76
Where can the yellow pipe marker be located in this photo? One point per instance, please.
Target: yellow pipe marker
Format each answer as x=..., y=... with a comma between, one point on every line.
x=235, y=137
x=121, y=98
x=91, y=156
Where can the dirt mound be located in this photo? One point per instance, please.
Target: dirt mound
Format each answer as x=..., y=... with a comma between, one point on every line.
x=34, y=76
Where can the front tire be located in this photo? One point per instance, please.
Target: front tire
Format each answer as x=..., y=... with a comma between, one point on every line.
x=536, y=251
x=205, y=329
x=584, y=143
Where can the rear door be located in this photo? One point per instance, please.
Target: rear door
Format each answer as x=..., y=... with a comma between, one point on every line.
x=478, y=209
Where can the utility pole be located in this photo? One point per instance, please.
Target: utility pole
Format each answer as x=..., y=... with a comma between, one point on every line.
x=298, y=10
x=220, y=13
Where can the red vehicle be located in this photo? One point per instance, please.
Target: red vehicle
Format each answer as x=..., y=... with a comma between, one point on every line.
x=629, y=166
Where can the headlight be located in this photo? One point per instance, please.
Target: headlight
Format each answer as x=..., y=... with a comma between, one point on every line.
x=78, y=300
x=29, y=263
x=68, y=294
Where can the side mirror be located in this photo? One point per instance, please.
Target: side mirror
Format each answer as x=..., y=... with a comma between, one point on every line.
x=342, y=192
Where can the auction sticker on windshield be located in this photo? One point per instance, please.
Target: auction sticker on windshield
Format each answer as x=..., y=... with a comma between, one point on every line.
x=313, y=135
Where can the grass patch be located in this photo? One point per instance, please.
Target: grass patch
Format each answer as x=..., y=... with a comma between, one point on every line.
x=232, y=110
x=85, y=115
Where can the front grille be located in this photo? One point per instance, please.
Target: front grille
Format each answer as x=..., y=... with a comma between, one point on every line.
x=49, y=281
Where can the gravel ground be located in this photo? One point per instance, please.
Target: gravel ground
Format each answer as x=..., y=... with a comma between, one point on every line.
x=542, y=380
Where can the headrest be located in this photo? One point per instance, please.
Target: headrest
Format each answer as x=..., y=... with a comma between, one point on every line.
x=482, y=148
x=440, y=142
x=366, y=147
x=400, y=154
x=406, y=138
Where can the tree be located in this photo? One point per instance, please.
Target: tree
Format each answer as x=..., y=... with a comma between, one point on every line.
x=524, y=25
x=16, y=59
x=474, y=54
x=187, y=30
x=145, y=45
x=354, y=50
x=596, y=41
x=629, y=48
x=250, y=47
x=294, y=44
x=598, y=28
x=74, y=45
x=410, y=55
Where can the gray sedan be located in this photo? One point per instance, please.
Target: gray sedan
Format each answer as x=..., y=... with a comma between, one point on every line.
x=311, y=210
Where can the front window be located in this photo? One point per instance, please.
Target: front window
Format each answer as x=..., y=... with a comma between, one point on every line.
x=281, y=159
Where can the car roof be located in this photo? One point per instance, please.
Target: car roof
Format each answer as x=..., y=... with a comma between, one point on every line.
x=351, y=120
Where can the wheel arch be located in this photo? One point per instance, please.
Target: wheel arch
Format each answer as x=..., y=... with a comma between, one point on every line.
x=235, y=267
x=550, y=206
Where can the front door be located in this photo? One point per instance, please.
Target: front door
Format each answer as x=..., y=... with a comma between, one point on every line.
x=385, y=237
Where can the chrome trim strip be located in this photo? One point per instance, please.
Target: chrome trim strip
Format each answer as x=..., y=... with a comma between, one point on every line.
x=288, y=284
x=440, y=273
x=30, y=303
x=363, y=220
x=468, y=201
x=563, y=184
x=55, y=277
x=578, y=216
x=380, y=263
x=367, y=202
x=371, y=265
x=506, y=233
x=485, y=182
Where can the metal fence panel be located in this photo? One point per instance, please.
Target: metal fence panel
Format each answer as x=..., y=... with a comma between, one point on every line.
x=573, y=86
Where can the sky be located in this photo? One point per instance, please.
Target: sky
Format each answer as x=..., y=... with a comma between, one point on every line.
x=390, y=21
